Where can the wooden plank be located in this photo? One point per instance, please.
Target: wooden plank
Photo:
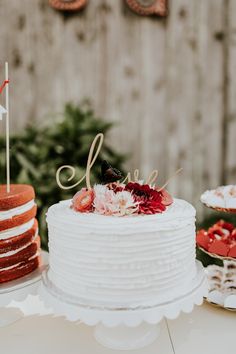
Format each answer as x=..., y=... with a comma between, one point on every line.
x=194, y=95
x=161, y=80
x=231, y=101
x=136, y=87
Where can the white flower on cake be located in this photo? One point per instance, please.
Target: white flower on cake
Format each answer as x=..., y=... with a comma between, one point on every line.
x=126, y=203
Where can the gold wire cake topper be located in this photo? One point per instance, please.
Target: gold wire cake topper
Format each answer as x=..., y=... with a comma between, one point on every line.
x=98, y=142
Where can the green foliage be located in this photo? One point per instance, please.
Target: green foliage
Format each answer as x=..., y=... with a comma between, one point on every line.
x=38, y=152
x=214, y=217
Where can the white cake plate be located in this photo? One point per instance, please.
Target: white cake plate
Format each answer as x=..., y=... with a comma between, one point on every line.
x=18, y=290
x=128, y=328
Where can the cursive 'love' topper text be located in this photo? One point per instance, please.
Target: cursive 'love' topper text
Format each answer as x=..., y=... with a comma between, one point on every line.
x=92, y=156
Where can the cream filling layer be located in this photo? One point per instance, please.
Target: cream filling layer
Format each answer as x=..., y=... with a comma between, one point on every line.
x=16, y=231
x=9, y=214
x=17, y=264
x=11, y=253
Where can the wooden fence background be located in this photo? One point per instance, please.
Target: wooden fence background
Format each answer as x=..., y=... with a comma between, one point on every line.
x=169, y=83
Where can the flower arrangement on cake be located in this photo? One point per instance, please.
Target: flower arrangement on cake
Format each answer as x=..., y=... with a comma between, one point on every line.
x=120, y=199
x=113, y=197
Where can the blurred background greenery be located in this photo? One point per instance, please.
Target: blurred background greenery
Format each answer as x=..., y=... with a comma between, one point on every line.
x=38, y=152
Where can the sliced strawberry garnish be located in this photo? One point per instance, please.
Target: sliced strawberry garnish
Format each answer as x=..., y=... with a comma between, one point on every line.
x=219, y=247
x=218, y=232
x=203, y=239
x=232, y=251
x=225, y=225
x=211, y=235
x=233, y=234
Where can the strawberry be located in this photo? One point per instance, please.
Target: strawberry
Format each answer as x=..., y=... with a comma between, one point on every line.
x=203, y=239
x=219, y=247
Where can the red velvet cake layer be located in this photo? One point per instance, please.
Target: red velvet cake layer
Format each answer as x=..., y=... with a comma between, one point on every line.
x=18, y=219
x=19, y=194
x=21, y=256
x=19, y=253
x=13, y=243
x=19, y=270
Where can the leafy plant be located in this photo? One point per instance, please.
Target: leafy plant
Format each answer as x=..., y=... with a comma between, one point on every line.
x=215, y=216
x=38, y=152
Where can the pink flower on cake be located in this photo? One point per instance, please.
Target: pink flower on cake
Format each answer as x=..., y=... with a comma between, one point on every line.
x=104, y=200
x=107, y=202
x=166, y=197
x=149, y=200
x=83, y=200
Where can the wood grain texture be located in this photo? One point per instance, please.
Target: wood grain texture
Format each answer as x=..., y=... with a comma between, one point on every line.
x=169, y=84
x=230, y=114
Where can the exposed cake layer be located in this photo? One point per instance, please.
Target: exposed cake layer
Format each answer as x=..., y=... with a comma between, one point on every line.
x=18, y=219
x=122, y=261
x=21, y=254
x=16, y=231
x=19, y=270
x=19, y=194
x=19, y=240
x=15, y=242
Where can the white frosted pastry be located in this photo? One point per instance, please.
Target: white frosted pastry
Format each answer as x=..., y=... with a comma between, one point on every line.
x=221, y=197
x=122, y=261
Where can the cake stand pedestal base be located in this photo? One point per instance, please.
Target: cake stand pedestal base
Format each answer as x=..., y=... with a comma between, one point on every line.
x=126, y=338
x=18, y=290
x=129, y=328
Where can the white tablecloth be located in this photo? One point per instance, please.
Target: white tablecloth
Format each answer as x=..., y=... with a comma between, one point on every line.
x=207, y=330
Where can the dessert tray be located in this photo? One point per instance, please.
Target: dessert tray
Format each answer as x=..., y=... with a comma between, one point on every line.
x=216, y=248
x=221, y=199
x=221, y=274
x=123, y=328
x=18, y=290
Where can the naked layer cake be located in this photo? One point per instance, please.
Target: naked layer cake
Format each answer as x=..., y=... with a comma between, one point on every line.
x=19, y=240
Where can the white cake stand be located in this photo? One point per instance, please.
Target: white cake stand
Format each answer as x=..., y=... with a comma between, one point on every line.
x=127, y=328
x=18, y=290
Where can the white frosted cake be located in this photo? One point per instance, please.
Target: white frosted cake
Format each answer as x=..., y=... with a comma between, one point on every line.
x=121, y=259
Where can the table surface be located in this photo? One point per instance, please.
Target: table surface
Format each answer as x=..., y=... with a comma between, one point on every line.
x=207, y=329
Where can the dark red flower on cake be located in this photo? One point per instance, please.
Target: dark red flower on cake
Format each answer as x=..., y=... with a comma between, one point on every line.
x=83, y=200
x=149, y=200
